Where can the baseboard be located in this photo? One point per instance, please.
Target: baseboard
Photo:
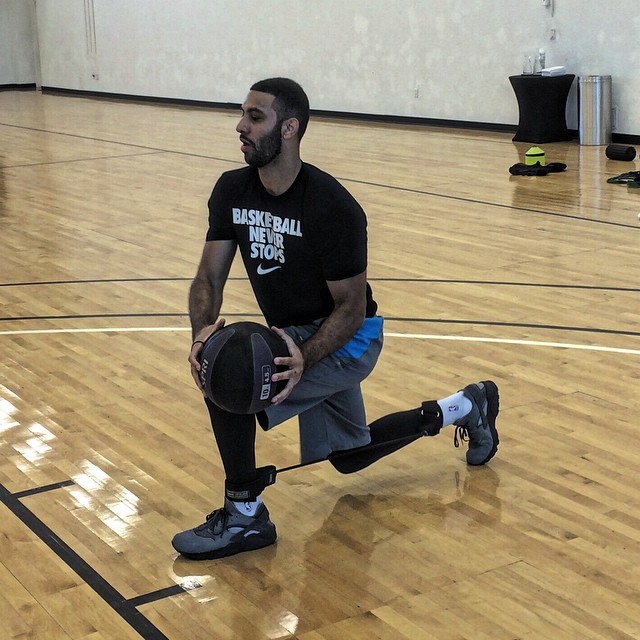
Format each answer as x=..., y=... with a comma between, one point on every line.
x=30, y=86
x=339, y=115
x=622, y=138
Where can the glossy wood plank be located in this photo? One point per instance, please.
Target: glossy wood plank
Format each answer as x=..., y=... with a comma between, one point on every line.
x=527, y=281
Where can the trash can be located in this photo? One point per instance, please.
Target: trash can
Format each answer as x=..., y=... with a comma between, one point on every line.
x=594, y=106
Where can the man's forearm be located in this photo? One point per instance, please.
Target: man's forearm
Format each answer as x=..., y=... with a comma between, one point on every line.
x=334, y=333
x=205, y=303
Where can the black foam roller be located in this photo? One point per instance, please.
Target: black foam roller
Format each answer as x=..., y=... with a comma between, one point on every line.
x=620, y=152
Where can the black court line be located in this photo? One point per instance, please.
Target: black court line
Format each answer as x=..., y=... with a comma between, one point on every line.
x=124, y=607
x=123, y=144
x=84, y=316
x=120, y=156
x=100, y=281
x=499, y=205
x=77, y=135
x=392, y=187
x=154, y=596
x=468, y=323
x=492, y=283
x=507, y=283
x=43, y=489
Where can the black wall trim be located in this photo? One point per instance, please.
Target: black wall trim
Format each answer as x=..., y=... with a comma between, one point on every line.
x=341, y=115
x=30, y=86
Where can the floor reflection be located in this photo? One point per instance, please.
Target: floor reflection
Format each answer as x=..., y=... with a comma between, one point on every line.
x=370, y=550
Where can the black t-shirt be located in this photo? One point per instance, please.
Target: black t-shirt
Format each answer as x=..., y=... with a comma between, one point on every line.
x=292, y=244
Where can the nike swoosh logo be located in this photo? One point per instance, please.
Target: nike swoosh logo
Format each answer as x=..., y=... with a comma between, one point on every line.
x=262, y=271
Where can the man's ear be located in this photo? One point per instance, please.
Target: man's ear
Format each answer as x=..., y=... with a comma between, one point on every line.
x=290, y=128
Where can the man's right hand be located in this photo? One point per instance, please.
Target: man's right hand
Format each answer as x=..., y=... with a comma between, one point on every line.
x=196, y=347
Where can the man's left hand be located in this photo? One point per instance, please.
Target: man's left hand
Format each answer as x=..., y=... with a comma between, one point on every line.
x=295, y=364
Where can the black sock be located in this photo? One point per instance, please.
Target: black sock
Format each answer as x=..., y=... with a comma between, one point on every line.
x=388, y=434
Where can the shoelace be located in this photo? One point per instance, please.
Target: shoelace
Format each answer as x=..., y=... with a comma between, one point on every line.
x=216, y=521
x=460, y=435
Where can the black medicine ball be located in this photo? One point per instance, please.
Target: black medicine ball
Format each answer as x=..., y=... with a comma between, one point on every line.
x=237, y=365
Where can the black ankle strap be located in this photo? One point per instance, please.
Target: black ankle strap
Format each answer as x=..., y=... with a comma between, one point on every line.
x=249, y=491
x=431, y=417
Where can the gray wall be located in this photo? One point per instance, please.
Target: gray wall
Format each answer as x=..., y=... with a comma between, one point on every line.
x=446, y=59
x=17, y=60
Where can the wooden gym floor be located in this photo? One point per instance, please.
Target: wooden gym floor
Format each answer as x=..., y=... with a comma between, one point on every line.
x=106, y=448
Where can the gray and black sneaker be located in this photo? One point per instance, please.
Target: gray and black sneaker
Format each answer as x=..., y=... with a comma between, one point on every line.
x=226, y=532
x=479, y=425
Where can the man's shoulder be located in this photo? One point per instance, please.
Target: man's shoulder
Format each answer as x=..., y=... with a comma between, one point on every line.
x=324, y=188
x=237, y=176
x=324, y=184
x=231, y=184
x=317, y=175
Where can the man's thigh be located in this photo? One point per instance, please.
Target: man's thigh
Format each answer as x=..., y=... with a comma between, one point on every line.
x=337, y=423
x=329, y=404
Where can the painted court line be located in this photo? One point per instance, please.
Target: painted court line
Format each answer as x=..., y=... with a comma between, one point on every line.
x=412, y=336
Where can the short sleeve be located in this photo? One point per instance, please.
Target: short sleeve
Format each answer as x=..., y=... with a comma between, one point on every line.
x=220, y=214
x=339, y=231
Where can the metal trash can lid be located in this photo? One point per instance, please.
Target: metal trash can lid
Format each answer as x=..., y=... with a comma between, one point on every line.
x=594, y=78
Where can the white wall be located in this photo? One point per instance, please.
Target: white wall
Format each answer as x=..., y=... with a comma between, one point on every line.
x=17, y=64
x=364, y=56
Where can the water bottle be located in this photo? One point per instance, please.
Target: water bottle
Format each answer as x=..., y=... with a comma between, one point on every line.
x=542, y=58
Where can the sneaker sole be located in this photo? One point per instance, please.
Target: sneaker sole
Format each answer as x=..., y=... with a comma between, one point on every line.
x=493, y=408
x=247, y=544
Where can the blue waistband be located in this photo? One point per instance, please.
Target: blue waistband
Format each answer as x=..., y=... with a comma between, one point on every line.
x=369, y=331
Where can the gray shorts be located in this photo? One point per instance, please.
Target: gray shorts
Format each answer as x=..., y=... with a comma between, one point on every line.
x=327, y=400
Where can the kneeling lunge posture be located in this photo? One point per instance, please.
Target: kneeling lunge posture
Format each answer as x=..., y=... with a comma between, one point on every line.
x=303, y=240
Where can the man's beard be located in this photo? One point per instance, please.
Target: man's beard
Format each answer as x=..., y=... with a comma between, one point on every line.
x=265, y=149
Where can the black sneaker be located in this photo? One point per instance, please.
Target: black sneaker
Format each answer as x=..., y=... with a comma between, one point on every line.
x=479, y=426
x=226, y=532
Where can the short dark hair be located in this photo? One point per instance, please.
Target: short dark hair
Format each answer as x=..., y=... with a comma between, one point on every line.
x=290, y=100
